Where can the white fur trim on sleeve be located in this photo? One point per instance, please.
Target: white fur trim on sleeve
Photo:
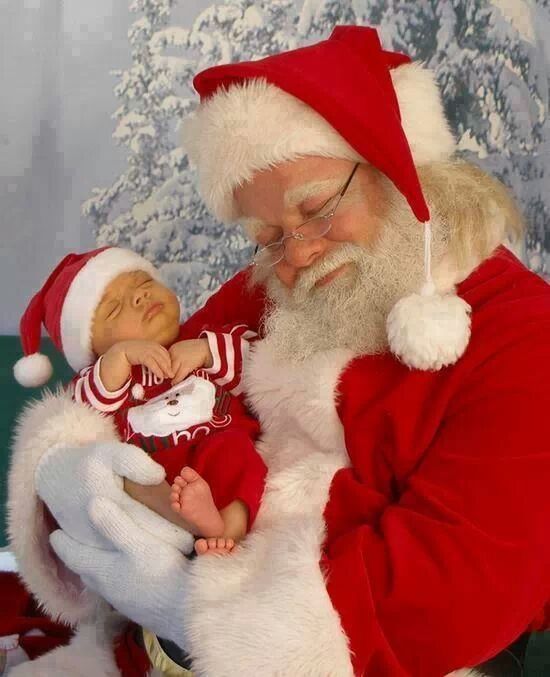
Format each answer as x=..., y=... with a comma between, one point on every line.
x=53, y=420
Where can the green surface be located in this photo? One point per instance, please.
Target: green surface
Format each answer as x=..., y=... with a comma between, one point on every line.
x=12, y=399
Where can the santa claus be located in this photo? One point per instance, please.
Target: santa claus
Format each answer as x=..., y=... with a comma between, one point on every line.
x=401, y=384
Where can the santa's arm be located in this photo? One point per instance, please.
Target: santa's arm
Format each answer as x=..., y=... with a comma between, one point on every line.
x=235, y=303
x=457, y=568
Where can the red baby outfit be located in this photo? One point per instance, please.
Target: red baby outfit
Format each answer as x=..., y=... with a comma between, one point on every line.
x=154, y=415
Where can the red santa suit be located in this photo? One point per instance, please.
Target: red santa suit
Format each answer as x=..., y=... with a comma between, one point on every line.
x=202, y=422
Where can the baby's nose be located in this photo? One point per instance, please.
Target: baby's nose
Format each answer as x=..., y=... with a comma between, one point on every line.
x=172, y=402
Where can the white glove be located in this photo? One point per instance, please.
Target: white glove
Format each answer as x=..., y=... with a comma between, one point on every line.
x=68, y=478
x=142, y=577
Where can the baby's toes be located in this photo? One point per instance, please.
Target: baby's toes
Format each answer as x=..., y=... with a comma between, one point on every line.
x=201, y=546
x=175, y=491
x=189, y=475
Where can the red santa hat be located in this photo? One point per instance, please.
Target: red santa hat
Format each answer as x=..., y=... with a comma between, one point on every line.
x=65, y=305
x=344, y=97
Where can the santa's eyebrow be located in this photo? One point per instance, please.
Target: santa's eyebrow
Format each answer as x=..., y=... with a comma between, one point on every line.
x=292, y=197
x=300, y=193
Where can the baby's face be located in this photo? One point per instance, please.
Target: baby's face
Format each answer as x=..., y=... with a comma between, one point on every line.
x=134, y=306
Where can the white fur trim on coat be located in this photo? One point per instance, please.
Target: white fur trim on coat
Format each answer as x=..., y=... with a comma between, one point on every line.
x=90, y=652
x=256, y=125
x=53, y=420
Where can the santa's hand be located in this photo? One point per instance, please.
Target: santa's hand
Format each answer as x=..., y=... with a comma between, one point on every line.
x=68, y=479
x=142, y=577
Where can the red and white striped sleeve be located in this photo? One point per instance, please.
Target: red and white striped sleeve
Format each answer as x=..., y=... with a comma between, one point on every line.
x=89, y=389
x=229, y=352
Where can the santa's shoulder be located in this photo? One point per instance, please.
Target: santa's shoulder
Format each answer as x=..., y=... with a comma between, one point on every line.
x=505, y=295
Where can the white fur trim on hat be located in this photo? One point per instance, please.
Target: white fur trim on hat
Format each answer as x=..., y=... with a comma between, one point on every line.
x=84, y=296
x=255, y=125
x=422, y=114
x=32, y=371
x=250, y=127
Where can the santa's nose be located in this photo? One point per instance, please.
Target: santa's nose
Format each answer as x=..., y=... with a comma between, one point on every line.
x=172, y=402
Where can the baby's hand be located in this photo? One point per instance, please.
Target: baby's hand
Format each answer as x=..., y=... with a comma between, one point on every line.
x=188, y=356
x=150, y=354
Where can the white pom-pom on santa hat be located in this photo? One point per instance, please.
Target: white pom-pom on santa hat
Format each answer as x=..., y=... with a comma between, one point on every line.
x=32, y=371
x=429, y=331
x=426, y=330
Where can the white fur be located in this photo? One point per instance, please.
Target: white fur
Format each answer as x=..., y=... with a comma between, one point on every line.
x=429, y=332
x=252, y=126
x=89, y=653
x=266, y=610
x=84, y=296
x=54, y=419
x=248, y=128
x=422, y=115
x=33, y=370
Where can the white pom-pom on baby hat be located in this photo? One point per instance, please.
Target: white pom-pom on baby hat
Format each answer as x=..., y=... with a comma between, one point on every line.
x=138, y=391
x=33, y=370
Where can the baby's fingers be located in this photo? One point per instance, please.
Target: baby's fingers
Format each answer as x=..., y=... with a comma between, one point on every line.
x=181, y=371
x=162, y=356
x=151, y=362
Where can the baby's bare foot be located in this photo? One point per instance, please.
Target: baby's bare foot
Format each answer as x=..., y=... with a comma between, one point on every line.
x=192, y=499
x=214, y=546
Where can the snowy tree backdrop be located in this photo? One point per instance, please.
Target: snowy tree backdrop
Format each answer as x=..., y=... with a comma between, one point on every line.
x=492, y=59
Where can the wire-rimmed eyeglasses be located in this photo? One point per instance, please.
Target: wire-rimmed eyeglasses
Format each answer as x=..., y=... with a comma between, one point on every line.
x=312, y=229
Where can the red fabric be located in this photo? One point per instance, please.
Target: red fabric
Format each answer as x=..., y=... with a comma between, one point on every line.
x=235, y=303
x=229, y=463
x=437, y=551
x=131, y=659
x=19, y=614
x=360, y=102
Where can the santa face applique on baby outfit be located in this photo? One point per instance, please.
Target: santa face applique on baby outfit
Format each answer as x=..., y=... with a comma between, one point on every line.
x=185, y=405
x=185, y=411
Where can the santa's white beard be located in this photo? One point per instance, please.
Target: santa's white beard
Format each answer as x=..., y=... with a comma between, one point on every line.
x=351, y=310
